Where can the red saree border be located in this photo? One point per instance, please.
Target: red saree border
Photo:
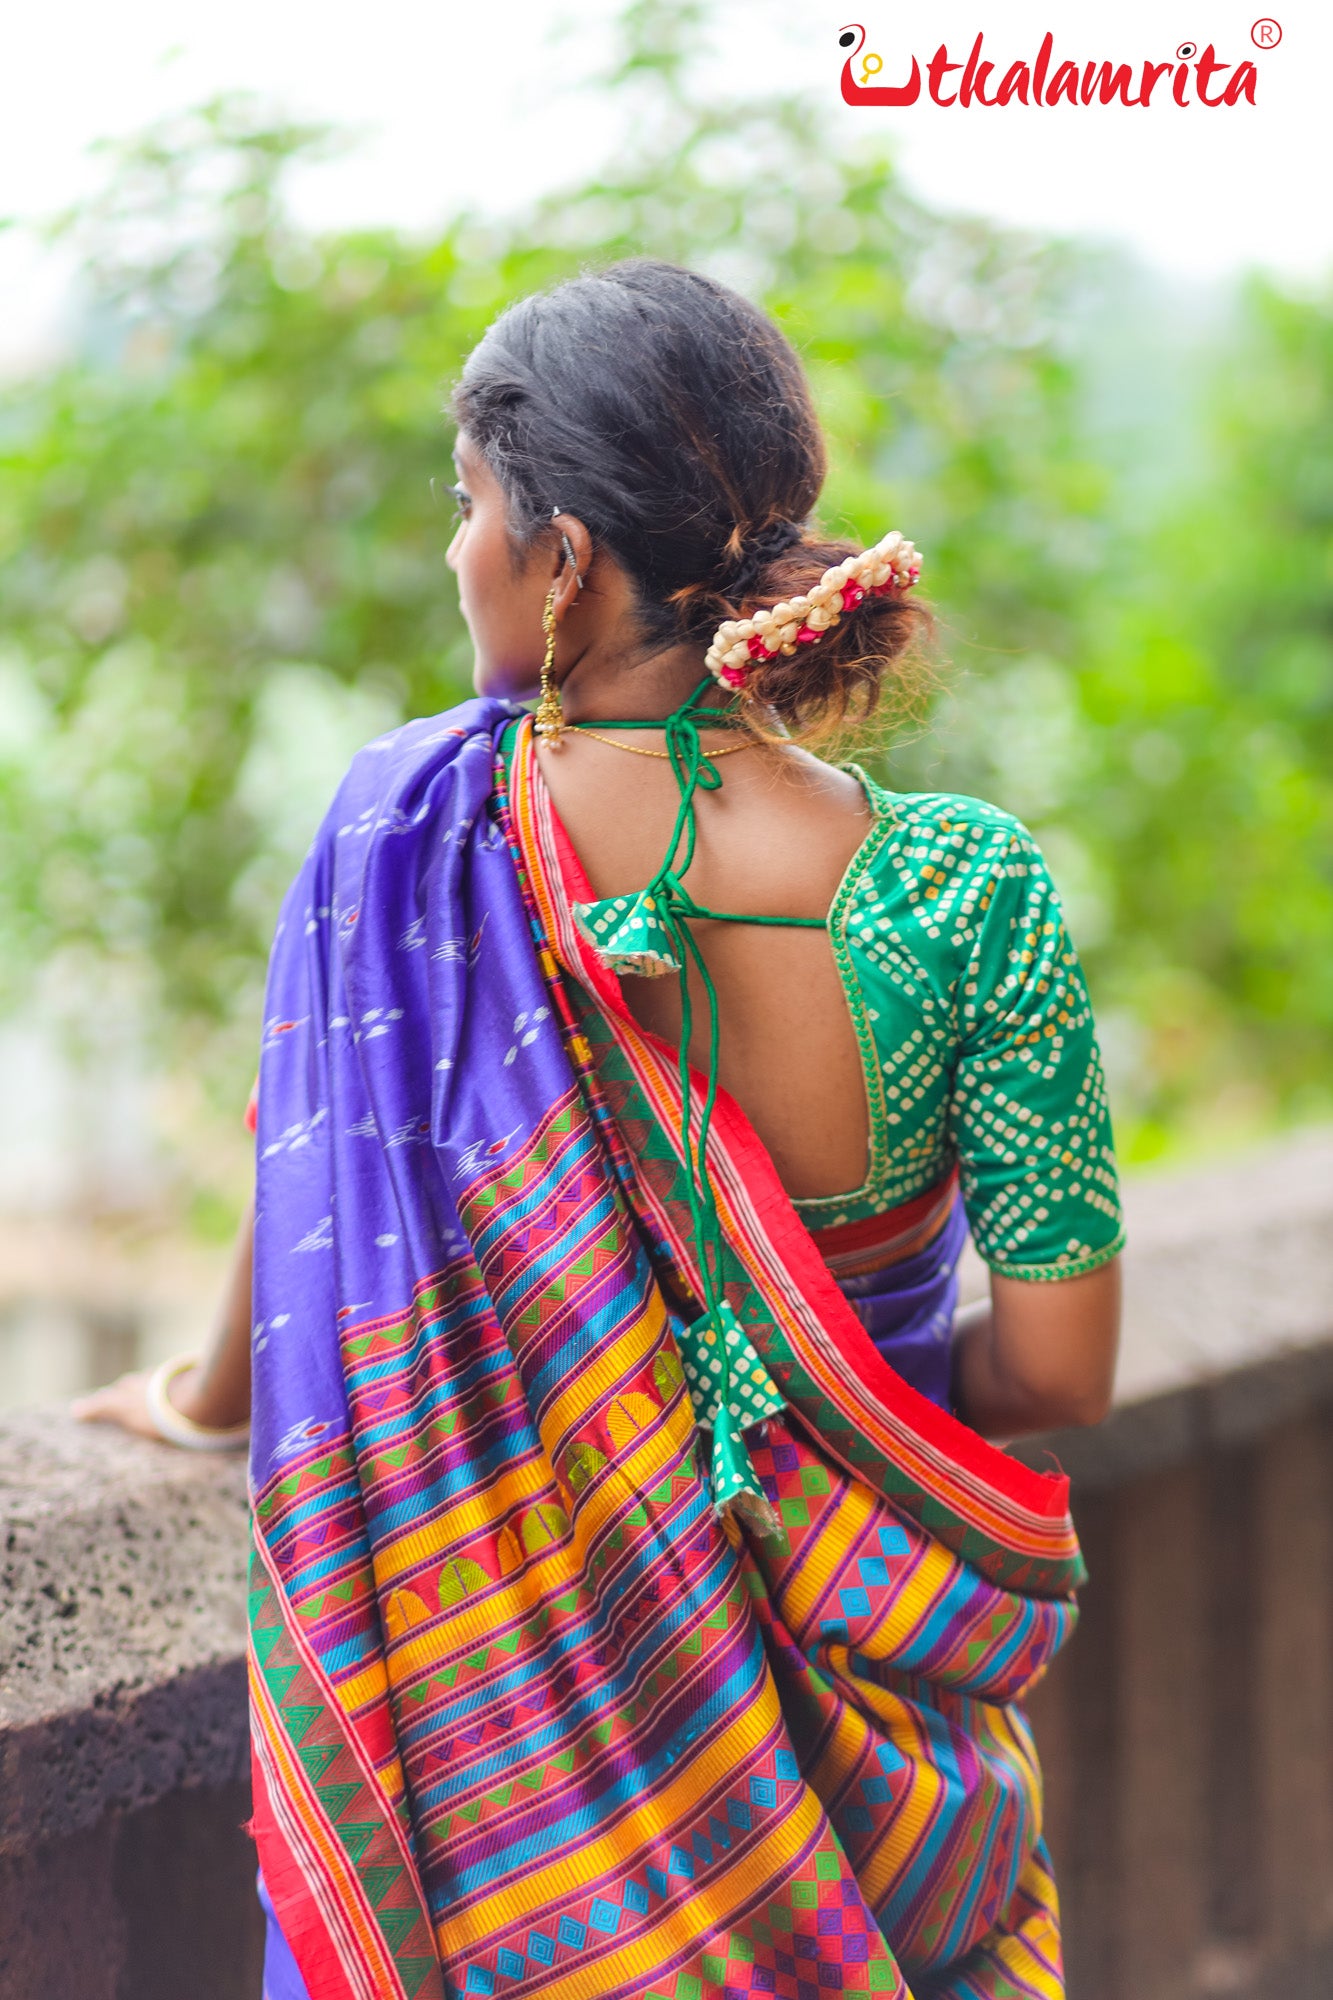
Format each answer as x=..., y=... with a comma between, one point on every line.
x=307, y=1924
x=1025, y=1510
x=879, y=1241
x=333, y=1927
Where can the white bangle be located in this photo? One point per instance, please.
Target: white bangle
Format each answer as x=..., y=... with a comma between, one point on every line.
x=173, y=1425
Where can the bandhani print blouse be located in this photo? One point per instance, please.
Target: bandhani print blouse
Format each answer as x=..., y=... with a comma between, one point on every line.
x=976, y=1037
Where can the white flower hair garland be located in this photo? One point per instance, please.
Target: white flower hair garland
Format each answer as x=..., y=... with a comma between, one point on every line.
x=741, y=644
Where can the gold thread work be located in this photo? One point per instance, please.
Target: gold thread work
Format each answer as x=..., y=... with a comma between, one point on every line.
x=549, y=720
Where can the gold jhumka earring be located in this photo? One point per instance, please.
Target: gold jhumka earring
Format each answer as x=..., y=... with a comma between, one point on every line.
x=549, y=720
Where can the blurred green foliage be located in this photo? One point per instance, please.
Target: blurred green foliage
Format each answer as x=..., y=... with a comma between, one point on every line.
x=1207, y=703
x=221, y=569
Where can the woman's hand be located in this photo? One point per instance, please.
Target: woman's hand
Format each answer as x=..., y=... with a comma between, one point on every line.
x=123, y=1402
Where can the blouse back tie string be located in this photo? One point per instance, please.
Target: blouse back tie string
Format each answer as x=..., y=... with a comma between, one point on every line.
x=649, y=935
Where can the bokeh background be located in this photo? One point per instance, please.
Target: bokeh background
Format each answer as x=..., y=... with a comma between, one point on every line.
x=1088, y=366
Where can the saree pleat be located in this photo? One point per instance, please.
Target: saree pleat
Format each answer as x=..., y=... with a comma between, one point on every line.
x=527, y=1720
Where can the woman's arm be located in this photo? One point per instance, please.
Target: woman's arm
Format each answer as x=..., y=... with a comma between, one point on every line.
x=1038, y=1356
x=214, y=1393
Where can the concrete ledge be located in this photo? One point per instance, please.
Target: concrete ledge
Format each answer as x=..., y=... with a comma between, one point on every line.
x=122, y=1624
x=1228, y=1315
x=1160, y=1432
x=1187, y=1735
x=1228, y=1267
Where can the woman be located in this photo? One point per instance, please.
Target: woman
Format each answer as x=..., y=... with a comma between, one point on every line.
x=637, y=1608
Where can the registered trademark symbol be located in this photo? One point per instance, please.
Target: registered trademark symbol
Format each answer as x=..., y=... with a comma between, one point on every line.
x=1266, y=33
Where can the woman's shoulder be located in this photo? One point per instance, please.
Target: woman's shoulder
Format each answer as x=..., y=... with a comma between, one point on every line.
x=946, y=812
x=953, y=881
x=391, y=766
x=945, y=837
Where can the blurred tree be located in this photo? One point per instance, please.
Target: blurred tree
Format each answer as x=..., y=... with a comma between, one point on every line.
x=221, y=568
x=1208, y=698
x=213, y=519
x=216, y=519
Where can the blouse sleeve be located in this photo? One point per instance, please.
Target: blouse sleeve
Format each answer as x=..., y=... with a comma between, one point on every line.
x=1028, y=1110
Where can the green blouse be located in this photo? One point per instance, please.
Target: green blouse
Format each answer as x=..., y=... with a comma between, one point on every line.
x=976, y=1036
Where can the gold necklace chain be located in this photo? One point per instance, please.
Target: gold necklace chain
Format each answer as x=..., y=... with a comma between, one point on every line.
x=636, y=751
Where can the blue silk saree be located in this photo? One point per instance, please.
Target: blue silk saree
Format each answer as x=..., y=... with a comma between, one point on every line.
x=531, y=1715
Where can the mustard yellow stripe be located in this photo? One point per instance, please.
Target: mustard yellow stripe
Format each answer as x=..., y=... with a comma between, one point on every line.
x=1029, y=1953
x=489, y=1507
x=632, y=1474
x=878, y=1871
x=585, y=1385
x=392, y=1782
x=670, y=1809
x=843, y=1751
x=700, y=1917
x=1013, y=1742
x=473, y=1620
x=913, y=1602
x=471, y=1623
x=933, y=1572
x=359, y=1690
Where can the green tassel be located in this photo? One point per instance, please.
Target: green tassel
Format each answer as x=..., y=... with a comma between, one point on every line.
x=629, y=935
x=720, y=1359
x=736, y=1487
x=715, y=1348
x=649, y=935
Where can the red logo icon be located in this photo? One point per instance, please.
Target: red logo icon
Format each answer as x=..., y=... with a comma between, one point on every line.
x=1050, y=77
x=862, y=89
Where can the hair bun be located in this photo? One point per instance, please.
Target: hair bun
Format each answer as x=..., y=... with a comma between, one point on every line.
x=796, y=650
x=673, y=418
x=755, y=555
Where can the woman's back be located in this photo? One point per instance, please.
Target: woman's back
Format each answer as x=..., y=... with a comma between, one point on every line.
x=774, y=839
x=639, y=460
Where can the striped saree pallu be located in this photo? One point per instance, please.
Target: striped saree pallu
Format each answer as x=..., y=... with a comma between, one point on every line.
x=528, y=1719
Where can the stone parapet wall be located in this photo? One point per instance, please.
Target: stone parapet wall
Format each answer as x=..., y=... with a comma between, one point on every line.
x=124, y=1873
x=1187, y=1731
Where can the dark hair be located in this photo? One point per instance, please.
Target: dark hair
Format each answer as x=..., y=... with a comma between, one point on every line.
x=674, y=419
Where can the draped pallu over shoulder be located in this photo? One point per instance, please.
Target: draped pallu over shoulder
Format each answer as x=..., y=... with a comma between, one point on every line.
x=1011, y=1521
x=529, y=1717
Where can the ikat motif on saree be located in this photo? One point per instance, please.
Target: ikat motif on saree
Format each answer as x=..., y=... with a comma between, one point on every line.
x=526, y=1720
